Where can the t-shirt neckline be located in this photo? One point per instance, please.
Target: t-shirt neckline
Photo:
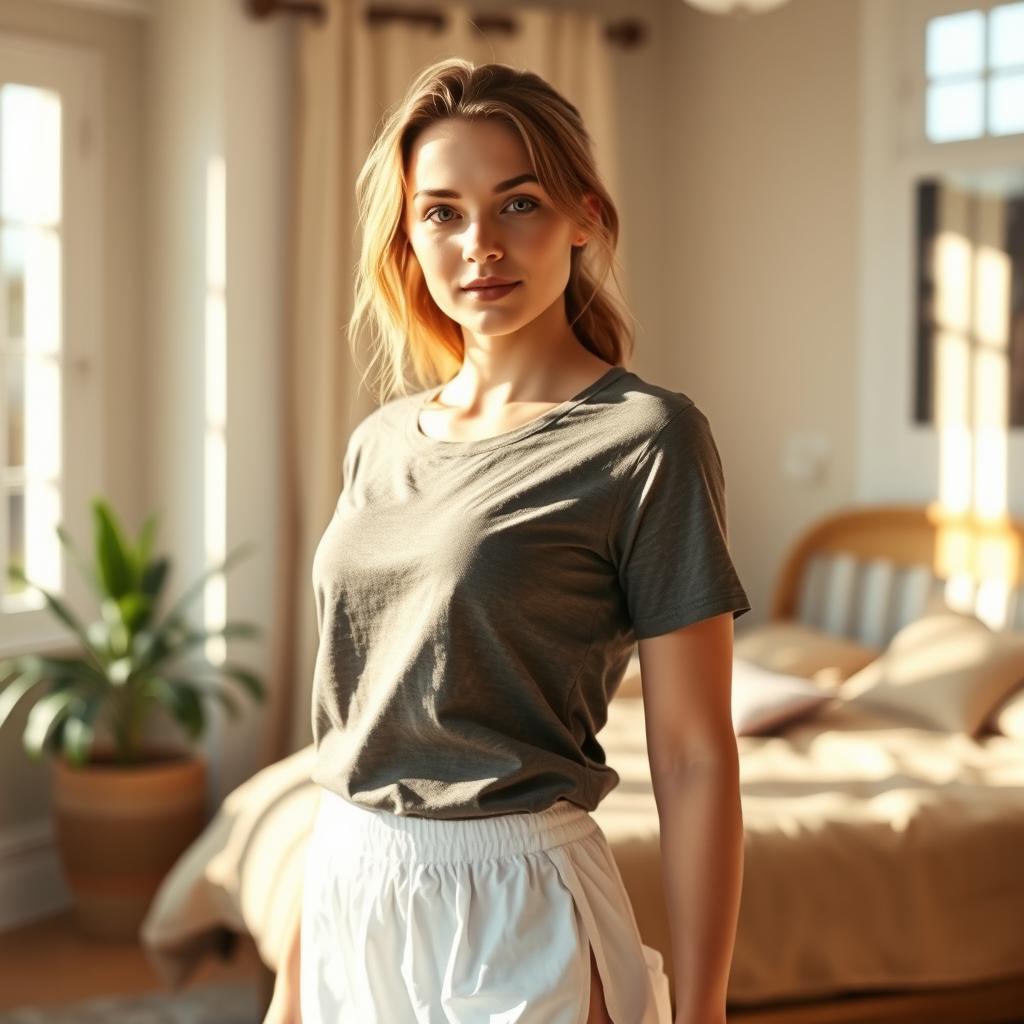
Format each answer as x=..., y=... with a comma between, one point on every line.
x=438, y=446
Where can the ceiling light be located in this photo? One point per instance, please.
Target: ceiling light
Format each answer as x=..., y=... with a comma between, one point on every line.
x=742, y=8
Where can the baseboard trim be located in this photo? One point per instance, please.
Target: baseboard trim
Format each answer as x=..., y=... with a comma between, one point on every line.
x=32, y=884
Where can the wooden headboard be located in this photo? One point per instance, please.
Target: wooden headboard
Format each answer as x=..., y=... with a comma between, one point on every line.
x=867, y=571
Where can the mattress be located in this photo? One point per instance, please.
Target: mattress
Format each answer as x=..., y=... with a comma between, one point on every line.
x=877, y=854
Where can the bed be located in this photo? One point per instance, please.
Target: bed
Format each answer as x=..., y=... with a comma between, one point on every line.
x=883, y=858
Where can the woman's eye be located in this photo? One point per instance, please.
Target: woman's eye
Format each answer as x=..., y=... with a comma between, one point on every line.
x=518, y=199
x=525, y=199
x=431, y=212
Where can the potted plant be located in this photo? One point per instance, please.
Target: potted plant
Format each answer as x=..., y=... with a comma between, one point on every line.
x=124, y=808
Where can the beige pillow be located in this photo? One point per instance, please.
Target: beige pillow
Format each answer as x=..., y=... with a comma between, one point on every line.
x=798, y=650
x=946, y=671
x=1008, y=718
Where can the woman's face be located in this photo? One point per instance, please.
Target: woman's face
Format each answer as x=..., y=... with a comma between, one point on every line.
x=493, y=220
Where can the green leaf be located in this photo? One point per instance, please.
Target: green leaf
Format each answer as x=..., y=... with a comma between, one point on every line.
x=249, y=680
x=134, y=609
x=87, y=571
x=153, y=578
x=71, y=667
x=77, y=731
x=14, y=691
x=62, y=612
x=44, y=715
x=113, y=555
x=213, y=689
x=165, y=648
x=182, y=702
x=154, y=646
x=120, y=671
x=195, y=589
x=144, y=547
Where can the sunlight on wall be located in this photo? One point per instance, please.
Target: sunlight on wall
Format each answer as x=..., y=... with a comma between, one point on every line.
x=976, y=551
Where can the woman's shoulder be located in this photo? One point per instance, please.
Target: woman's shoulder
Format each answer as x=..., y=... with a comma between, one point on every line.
x=644, y=409
x=384, y=415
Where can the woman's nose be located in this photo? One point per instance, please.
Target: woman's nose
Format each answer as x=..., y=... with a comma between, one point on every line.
x=480, y=244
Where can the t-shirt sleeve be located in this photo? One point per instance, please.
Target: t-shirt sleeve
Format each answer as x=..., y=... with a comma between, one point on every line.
x=669, y=537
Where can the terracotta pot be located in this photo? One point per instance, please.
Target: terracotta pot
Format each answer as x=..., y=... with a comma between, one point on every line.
x=119, y=830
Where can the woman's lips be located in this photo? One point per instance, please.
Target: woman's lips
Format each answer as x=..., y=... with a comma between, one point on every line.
x=491, y=293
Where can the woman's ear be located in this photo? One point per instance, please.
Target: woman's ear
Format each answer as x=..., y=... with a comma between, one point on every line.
x=594, y=205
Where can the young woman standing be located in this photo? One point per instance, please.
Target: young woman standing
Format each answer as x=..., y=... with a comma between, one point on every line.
x=501, y=541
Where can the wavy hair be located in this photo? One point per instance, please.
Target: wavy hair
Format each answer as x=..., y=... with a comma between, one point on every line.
x=408, y=331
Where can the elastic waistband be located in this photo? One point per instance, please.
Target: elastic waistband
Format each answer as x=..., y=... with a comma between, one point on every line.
x=366, y=830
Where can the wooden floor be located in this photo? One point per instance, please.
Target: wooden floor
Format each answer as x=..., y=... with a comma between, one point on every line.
x=49, y=963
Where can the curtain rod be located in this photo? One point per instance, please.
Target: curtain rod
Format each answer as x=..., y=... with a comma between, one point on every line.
x=627, y=33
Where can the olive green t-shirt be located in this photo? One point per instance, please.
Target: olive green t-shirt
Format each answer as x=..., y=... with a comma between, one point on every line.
x=478, y=601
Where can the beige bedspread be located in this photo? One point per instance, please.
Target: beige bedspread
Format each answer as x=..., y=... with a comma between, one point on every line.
x=876, y=855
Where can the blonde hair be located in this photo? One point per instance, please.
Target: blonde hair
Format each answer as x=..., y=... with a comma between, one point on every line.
x=391, y=295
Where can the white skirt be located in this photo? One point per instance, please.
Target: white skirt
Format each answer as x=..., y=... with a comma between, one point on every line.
x=411, y=920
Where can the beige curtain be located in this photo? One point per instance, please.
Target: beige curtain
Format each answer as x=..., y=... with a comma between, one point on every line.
x=349, y=72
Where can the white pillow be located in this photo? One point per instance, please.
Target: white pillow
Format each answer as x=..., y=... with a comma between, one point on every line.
x=762, y=700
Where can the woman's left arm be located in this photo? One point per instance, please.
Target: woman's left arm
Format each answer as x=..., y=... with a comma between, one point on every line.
x=686, y=676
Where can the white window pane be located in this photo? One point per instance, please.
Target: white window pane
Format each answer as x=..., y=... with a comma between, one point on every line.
x=42, y=545
x=30, y=156
x=1006, y=36
x=42, y=291
x=1006, y=104
x=42, y=416
x=956, y=44
x=954, y=111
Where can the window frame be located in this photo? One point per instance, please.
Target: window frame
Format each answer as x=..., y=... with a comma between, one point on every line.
x=75, y=73
x=912, y=19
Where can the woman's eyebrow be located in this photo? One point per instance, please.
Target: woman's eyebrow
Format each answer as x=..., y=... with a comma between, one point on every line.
x=502, y=186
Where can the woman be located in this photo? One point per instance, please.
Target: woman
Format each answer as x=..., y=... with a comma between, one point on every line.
x=499, y=544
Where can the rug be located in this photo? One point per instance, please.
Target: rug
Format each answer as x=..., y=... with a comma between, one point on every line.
x=226, y=1003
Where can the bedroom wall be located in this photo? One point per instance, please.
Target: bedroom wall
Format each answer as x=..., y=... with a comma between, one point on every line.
x=764, y=132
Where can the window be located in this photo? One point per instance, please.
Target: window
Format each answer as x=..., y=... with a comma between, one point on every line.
x=974, y=67
x=50, y=252
x=30, y=250
x=970, y=297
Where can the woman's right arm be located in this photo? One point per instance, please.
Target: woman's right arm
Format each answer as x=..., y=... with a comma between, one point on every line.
x=284, y=1004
